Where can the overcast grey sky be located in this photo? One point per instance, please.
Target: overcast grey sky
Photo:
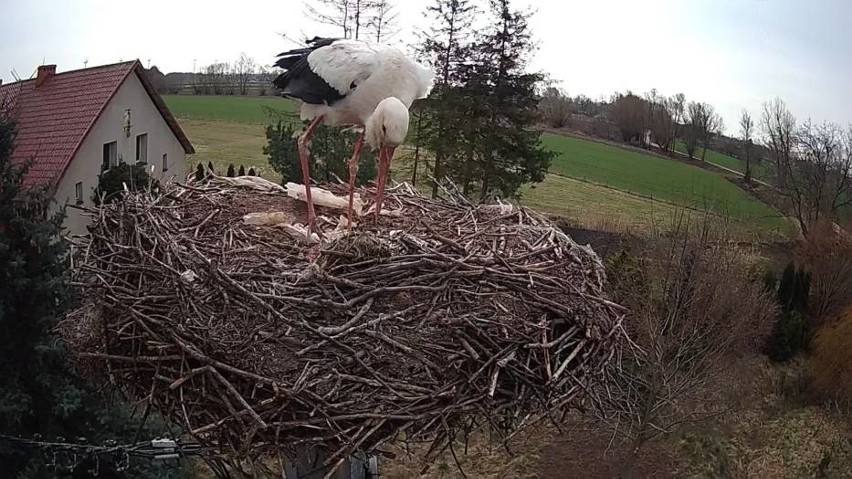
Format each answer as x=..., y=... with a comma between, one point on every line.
x=730, y=53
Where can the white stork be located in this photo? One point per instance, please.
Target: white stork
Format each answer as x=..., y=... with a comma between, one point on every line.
x=351, y=82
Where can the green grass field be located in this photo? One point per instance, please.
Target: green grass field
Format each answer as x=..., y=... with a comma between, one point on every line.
x=657, y=178
x=223, y=143
x=760, y=172
x=238, y=109
x=599, y=207
x=620, y=188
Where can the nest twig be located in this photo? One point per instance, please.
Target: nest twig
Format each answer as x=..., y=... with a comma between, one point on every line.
x=421, y=325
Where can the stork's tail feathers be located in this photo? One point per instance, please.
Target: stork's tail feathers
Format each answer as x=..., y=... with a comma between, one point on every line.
x=289, y=60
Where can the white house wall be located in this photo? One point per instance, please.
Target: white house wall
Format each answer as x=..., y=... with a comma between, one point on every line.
x=86, y=165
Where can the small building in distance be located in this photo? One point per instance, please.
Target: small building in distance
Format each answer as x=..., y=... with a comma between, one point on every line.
x=77, y=124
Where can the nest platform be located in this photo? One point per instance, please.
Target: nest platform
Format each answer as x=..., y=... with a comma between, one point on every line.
x=437, y=318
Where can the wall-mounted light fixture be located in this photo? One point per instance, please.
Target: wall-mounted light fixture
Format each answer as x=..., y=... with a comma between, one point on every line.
x=127, y=124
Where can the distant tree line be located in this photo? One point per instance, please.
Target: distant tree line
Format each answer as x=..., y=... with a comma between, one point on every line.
x=244, y=76
x=648, y=120
x=811, y=163
x=374, y=20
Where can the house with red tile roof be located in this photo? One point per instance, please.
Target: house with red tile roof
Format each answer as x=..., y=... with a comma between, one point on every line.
x=77, y=124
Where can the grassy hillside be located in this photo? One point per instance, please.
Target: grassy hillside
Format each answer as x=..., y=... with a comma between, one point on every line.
x=599, y=207
x=657, y=178
x=761, y=172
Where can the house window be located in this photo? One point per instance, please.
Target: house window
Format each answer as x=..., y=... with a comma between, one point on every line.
x=109, y=158
x=165, y=162
x=142, y=148
x=78, y=191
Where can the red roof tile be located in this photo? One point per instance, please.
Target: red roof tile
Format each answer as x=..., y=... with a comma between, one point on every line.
x=54, y=119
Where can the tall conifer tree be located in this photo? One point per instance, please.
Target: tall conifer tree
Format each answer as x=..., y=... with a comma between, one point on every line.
x=447, y=48
x=510, y=151
x=39, y=390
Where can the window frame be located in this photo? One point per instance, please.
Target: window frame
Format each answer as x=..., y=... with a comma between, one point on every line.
x=109, y=155
x=78, y=192
x=165, y=165
x=144, y=143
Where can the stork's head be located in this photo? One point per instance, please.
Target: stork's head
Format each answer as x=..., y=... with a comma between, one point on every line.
x=387, y=126
x=384, y=131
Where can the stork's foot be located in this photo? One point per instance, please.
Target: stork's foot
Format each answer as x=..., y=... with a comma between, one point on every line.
x=313, y=228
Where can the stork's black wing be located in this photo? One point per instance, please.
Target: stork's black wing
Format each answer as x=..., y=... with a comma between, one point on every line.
x=300, y=81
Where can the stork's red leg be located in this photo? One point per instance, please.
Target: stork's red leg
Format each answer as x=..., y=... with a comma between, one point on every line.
x=353, y=170
x=303, y=157
x=385, y=156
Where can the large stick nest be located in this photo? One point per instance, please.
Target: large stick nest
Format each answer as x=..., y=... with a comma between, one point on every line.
x=439, y=318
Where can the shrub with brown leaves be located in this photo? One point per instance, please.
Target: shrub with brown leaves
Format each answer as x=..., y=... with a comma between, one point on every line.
x=827, y=255
x=831, y=360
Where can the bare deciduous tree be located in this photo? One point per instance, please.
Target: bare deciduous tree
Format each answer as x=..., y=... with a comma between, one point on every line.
x=715, y=126
x=676, y=106
x=359, y=17
x=215, y=79
x=628, y=112
x=265, y=75
x=693, y=130
x=587, y=106
x=230, y=81
x=779, y=129
x=652, y=98
x=555, y=107
x=818, y=173
x=691, y=308
x=244, y=68
x=660, y=118
x=702, y=123
x=746, y=132
x=336, y=13
x=383, y=20
x=352, y=16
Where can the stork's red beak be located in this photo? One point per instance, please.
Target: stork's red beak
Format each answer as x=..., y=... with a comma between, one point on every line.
x=385, y=156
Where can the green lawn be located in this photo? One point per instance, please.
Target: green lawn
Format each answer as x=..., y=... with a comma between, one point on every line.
x=760, y=172
x=224, y=142
x=598, y=206
x=238, y=109
x=657, y=178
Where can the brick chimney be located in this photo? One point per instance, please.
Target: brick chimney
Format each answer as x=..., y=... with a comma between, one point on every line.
x=44, y=72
